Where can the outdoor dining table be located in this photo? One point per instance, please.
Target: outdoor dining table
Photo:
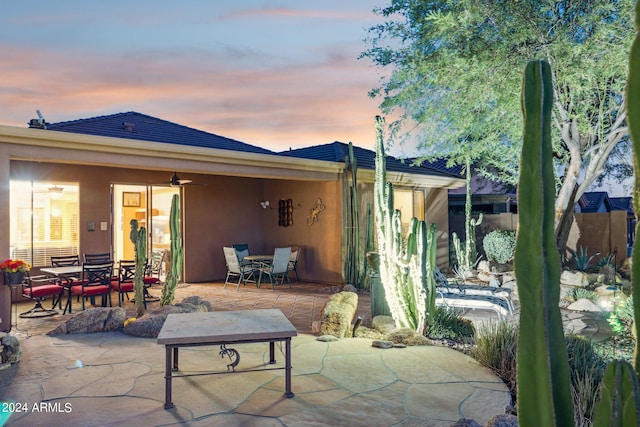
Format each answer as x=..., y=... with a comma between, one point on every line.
x=66, y=274
x=223, y=328
x=256, y=260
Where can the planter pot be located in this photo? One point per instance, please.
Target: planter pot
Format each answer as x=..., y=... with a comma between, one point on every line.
x=13, y=278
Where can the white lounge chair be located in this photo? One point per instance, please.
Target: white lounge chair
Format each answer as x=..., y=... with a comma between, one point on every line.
x=457, y=286
x=473, y=302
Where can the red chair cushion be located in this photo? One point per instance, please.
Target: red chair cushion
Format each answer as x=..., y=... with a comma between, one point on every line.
x=90, y=290
x=43, y=291
x=151, y=280
x=124, y=287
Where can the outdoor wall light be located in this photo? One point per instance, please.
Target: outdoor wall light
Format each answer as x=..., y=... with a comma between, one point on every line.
x=265, y=204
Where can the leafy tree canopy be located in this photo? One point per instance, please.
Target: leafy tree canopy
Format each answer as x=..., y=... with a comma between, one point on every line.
x=456, y=71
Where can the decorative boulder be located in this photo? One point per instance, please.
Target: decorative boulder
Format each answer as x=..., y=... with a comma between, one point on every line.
x=338, y=314
x=100, y=319
x=584, y=304
x=149, y=325
x=578, y=279
x=9, y=350
x=384, y=324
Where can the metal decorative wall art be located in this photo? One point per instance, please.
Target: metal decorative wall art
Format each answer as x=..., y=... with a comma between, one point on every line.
x=312, y=218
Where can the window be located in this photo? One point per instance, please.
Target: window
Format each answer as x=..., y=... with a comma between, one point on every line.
x=410, y=203
x=44, y=220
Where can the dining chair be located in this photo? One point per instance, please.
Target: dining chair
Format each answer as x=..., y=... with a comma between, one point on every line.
x=153, y=274
x=278, y=268
x=123, y=284
x=242, y=250
x=97, y=258
x=96, y=280
x=65, y=261
x=293, y=260
x=37, y=288
x=244, y=272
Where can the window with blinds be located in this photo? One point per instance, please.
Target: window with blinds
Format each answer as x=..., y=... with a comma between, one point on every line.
x=44, y=220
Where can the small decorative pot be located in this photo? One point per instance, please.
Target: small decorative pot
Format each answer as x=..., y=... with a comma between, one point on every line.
x=13, y=278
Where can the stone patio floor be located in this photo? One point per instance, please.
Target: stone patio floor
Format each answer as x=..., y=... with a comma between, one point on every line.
x=107, y=379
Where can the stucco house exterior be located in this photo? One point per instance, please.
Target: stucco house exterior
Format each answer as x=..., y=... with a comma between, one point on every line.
x=119, y=167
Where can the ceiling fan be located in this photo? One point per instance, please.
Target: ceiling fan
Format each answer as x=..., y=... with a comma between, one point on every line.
x=176, y=181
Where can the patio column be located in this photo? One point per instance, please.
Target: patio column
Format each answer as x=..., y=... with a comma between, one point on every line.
x=5, y=291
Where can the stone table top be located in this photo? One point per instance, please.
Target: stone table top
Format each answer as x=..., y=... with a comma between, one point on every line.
x=225, y=326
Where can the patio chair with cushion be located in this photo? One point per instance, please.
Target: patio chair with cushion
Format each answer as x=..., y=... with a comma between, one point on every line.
x=65, y=261
x=457, y=286
x=293, y=260
x=153, y=274
x=277, y=269
x=242, y=250
x=37, y=288
x=244, y=272
x=96, y=281
x=123, y=283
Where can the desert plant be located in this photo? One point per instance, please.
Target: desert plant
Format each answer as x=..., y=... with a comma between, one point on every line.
x=500, y=245
x=607, y=260
x=447, y=324
x=580, y=293
x=406, y=265
x=175, y=273
x=352, y=255
x=544, y=392
x=496, y=348
x=586, y=370
x=138, y=237
x=581, y=259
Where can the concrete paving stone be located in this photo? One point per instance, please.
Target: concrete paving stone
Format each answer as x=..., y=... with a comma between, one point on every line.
x=441, y=401
x=363, y=373
x=484, y=404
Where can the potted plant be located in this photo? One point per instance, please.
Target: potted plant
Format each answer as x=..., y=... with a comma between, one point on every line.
x=14, y=270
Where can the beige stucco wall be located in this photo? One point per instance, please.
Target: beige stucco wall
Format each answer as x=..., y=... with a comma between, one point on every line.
x=219, y=211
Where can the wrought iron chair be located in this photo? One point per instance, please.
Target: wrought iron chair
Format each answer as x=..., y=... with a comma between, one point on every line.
x=37, y=288
x=153, y=274
x=277, y=269
x=97, y=258
x=235, y=268
x=123, y=283
x=96, y=281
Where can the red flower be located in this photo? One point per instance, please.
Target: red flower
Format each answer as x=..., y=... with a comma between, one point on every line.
x=14, y=266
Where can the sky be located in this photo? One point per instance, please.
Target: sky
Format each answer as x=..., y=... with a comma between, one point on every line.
x=277, y=74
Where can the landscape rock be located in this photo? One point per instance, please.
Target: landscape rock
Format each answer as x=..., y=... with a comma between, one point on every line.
x=465, y=422
x=350, y=288
x=583, y=304
x=574, y=278
x=338, y=313
x=149, y=325
x=9, y=350
x=381, y=344
x=384, y=324
x=406, y=336
x=327, y=338
x=503, y=420
x=99, y=319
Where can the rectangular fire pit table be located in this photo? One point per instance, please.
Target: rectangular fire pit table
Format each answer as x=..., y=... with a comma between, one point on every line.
x=224, y=328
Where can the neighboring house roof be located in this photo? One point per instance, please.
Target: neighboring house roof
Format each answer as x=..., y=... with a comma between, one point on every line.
x=133, y=125
x=365, y=159
x=594, y=201
x=622, y=204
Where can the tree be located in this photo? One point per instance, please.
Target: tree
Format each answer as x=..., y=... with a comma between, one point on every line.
x=455, y=77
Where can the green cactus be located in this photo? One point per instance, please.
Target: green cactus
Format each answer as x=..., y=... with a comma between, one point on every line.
x=633, y=119
x=175, y=273
x=544, y=392
x=619, y=403
x=405, y=266
x=139, y=239
x=353, y=267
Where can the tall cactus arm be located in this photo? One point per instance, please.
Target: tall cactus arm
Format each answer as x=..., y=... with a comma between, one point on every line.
x=633, y=119
x=544, y=394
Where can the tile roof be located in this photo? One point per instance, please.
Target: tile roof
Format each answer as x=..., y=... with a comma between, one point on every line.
x=133, y=125
x=365, y=159
x=622, y=204
x=591, y=201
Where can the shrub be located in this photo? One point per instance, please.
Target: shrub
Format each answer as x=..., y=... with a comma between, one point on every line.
x=500, y=245
x=497, y=349
x=447, y=324
x=579, y=293
x=586, y=369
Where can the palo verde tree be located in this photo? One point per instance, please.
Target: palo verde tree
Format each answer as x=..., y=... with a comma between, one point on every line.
x=454, y=83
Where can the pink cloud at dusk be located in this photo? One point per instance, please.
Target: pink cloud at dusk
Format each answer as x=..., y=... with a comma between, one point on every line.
x=311, y=91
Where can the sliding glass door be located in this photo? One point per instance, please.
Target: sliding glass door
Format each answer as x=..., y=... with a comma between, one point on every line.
x=150, y=205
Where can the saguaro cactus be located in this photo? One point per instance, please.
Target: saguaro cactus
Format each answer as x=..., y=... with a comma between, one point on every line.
x=139, y=239
x=404, y=269
x=174, y=275
x=352, y=254
x=544, y=393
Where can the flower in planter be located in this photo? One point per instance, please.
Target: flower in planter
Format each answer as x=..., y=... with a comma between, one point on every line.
x=14, y=266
